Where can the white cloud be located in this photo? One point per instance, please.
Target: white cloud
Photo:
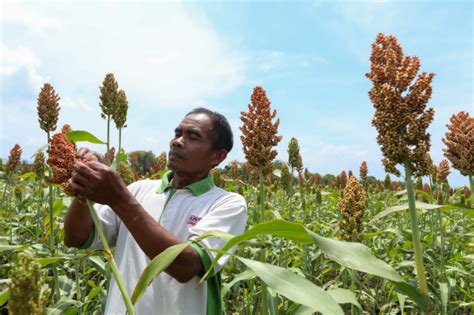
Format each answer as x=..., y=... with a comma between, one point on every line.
x=17, y=13
x=162, y=54
x=76, y=104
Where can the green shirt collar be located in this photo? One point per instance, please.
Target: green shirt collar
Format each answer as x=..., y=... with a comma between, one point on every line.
x=198, y=188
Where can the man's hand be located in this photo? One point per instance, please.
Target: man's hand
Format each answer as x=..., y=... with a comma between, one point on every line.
x=86, y=155
x=98, y=182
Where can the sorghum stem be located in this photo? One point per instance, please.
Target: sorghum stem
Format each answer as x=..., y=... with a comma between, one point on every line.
x=420, y=268
x=113, y=265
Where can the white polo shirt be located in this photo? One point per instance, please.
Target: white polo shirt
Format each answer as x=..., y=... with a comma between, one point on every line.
x=186, y=213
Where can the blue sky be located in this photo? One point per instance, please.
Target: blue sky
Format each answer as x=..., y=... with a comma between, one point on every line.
x=169, y=57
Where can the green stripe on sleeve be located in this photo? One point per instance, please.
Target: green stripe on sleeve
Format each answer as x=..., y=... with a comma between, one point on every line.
x=214, y=302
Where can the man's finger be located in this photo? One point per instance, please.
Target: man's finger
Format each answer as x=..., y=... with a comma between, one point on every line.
x=79, y=179
x=97, y=166
x=85, y=170
x=77, y=188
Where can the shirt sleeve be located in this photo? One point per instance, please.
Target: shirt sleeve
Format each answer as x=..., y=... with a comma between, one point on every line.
x=229, y=215
x=109, y=223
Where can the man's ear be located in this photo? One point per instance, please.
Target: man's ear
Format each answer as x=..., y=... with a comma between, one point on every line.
x=219, y=156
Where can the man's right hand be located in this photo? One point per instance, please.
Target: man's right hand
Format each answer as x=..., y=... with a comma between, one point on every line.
x=85, y=155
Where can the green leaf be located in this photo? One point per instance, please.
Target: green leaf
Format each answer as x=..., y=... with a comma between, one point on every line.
x=292, y=231
x=390, y=210
x=443, y=289
x=413, y=293
x=41, y=149
x=156, y=266
x=344, y=296
x=58, y=207
x=11, y=248
x=4, y=296
x=83, y=136
x=355, y=256
x=245, y=275
x=27, y=175
x=294, y=287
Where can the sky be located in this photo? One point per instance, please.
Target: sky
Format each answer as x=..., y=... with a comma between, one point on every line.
x=170, y=57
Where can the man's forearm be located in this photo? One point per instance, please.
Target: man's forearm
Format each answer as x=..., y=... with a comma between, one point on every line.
x=77, y=224
x=153, y=239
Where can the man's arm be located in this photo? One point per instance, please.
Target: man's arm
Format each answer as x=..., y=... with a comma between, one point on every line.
x=77, y=224
x=101, y=184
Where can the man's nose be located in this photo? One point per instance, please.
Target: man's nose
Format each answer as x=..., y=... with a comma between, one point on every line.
x=178, y=141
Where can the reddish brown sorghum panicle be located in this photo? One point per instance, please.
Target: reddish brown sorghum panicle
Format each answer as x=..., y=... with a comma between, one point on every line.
x=426, y=188
x=119, y=115
x=351, y=209
x=110, y=155
x=66, y=129
x=62, y=157
x=108, y=96
x=294, y=157
x=343, y=180
x=466, y=192
x=306, y=173
x=48, y=108
x=442, y=171
x=14, y=158
x=316, y=179
x=160, y=163
x=459, y=141
x=259, y=133
x=363, y=171
x=400, y=116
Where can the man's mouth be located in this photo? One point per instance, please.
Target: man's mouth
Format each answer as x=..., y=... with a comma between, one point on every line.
x=175, y=155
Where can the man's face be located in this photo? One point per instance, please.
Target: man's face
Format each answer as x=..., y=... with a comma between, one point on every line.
x=191, y=149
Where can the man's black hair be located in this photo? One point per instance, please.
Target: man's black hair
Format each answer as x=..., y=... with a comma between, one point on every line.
x=221, y=132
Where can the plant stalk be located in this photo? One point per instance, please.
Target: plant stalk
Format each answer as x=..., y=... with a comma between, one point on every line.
x=113, y=265
x=52, y=243
x=420, y=268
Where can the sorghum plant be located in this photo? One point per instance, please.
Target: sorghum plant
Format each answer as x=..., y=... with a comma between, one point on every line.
x=13, y=159
x=62, y=157
x=351, y=209
x=401, y=119
x=259, y=136
x=48, y=113
x=442, y=172
x=363, y=171
x=108, y=101
x=459, y=141
x=27, y=295
x=296, y=163
x=119, y=116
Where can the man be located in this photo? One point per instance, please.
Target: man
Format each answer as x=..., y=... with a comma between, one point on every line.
x=149, y=216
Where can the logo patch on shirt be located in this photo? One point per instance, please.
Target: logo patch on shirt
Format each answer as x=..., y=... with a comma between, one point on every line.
x=192, y=220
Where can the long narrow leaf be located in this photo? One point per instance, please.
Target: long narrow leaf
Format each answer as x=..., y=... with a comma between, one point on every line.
x=291, y=231
x=355, y=256
x=156, y=266
x=81, y=135
x=294, y=287
x=404, y=207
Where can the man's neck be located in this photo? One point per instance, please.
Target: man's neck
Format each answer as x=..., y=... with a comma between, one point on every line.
x=181, y=180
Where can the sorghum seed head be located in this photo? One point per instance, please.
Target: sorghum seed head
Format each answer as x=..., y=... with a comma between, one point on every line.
x=442, y=171
x=119, y=115
x=459, y=141
x=61, y=159
x=351, y=209
x=108, y=95
x=259, y=133
x=14, y=158
x=48, y=108
x=400, y=116
x=294, y=157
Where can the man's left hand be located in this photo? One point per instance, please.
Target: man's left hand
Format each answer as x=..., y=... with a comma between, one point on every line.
x=98, y=182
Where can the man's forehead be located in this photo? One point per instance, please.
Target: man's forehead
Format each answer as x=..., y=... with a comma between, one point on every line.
x=200, y=121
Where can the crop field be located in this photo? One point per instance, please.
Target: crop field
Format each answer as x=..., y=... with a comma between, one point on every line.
x=346, y=243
